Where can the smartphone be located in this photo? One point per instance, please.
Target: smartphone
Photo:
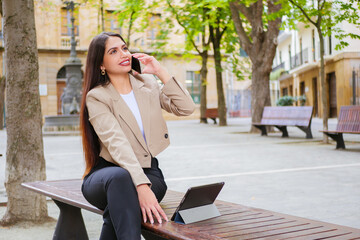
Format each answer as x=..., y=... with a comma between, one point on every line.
x=135, y=64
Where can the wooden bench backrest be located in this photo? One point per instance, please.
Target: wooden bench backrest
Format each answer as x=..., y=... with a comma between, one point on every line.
x=349, y=119
x=212, y=113
x=295, y=116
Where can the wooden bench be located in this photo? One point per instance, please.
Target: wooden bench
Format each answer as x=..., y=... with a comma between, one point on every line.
x=236, y=221
x=212, y=113
x=348, y=122
x=281, y=117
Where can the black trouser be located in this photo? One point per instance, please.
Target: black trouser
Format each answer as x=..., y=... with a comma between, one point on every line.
x=111, y=189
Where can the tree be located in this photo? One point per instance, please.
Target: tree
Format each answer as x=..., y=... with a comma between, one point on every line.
x=325, y=15
x=99, y=4
x=220, y=23
x=193, y=19
x=257, y=24
x=128, y=13
x=24, y=155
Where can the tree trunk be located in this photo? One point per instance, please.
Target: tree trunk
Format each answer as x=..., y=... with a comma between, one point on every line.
x=2, y=99
x=102, y=15
x=215, y=39
x=324, y=86
x=129, y=29
x=203, y=75
x=260, y=45
x=24, y=154
x=259, y=87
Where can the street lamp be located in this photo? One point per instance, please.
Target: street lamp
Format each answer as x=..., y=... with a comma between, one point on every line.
x=71, y=97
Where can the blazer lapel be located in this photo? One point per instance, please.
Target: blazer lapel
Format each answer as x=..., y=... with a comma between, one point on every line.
x=143, y=98
x=126, y=114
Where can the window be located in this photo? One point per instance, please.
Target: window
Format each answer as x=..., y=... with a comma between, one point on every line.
x=193, y=85
x=1, y=28
x=66, y=22
x=301, y=52
x=313, y=44
x=111, y=22
x=291, y=66
x=284, y=92
x=154, y=26
x=330, y=45
x=302, y=88
x=280, y=56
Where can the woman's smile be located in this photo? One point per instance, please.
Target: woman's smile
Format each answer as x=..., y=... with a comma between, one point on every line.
x=126, y=62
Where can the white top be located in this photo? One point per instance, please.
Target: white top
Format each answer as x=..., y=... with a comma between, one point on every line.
x=132, y=104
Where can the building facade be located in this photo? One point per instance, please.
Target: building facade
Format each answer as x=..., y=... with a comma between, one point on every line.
x=53, y=26
x=298, y=62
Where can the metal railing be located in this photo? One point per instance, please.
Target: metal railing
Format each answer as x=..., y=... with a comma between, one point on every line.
x=281, y=65
x=300, y=58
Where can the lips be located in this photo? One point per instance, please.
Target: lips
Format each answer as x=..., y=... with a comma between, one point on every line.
x=125, y=63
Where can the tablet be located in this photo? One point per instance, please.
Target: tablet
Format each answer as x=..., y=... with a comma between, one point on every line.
x=199, y=196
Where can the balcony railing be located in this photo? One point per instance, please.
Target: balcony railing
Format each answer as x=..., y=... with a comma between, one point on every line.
x=280, y=66
x=300, y=58
x=66, y=42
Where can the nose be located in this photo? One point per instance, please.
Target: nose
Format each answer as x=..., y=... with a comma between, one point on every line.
x=123, y=54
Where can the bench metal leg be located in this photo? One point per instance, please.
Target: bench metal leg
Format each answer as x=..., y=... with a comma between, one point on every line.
x=150, y=235
x=70, y=224
x=307, y=130
x=214, y=119
x=338, y=137
x=262, y=128
x=284, y=131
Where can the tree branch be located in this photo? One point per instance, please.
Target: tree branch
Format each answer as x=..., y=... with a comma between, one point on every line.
x=322, y=5
x=183, y=26
x=244, y=39
x=302, y=10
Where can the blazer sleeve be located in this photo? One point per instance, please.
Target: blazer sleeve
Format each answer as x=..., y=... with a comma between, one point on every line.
x=174, y=98
x=111, y=135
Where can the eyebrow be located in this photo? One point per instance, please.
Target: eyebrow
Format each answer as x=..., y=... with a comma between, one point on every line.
x=115, y=48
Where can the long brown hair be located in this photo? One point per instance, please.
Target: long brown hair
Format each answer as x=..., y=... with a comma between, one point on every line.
x=93, y=78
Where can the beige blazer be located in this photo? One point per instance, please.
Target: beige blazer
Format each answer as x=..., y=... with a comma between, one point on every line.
x=121, y=140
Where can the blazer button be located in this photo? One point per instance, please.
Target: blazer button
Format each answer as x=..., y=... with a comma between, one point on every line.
x=146, y=155
x=166, y=135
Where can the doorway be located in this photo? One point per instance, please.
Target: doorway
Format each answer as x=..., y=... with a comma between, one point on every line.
x=315, y=96
x=332, y=95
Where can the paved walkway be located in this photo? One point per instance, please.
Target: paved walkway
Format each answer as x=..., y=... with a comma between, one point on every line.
x=292, y=175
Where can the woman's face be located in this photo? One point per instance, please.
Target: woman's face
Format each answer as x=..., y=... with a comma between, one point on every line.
x=117, y=58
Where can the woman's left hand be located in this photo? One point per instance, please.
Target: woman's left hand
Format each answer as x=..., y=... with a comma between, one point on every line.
x=152, y=66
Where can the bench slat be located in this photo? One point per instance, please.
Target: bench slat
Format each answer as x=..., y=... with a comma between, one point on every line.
x=236, y=222
x=349, y=119
x=287, y=116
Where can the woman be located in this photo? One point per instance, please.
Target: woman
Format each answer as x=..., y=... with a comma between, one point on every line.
x=122, y=131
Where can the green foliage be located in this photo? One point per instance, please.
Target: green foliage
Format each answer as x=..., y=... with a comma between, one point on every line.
x=133, y=16
x=301, y=99
x=289, y=100
x=325, y=15
x=241, y=66
x=285, y=101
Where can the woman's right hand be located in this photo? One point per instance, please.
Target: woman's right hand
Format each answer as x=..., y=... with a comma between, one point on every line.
x=149, y=204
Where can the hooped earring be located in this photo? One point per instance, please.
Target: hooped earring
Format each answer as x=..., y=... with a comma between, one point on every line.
x=103, y=72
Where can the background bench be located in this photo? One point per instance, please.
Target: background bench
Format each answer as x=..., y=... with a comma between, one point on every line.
x=236, y=221
x=281, y=117
x=212, y=113
x=348, y=122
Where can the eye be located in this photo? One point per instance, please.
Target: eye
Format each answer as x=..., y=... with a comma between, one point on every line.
x=125, y=48
x=113, y=51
